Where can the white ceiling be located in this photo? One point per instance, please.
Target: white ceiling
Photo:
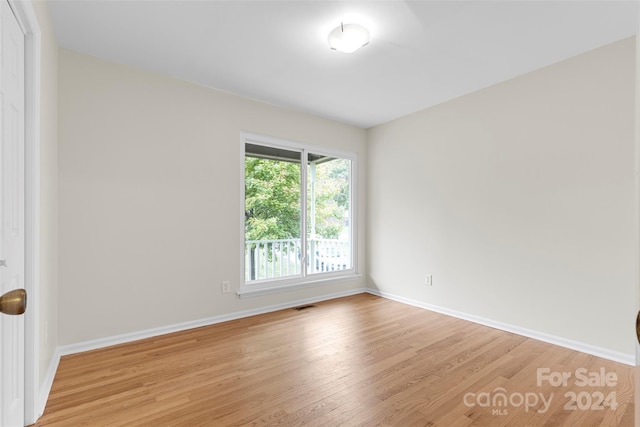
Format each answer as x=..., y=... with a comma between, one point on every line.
x=421, y=53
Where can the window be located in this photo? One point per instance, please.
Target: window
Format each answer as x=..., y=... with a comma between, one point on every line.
x=298, y=214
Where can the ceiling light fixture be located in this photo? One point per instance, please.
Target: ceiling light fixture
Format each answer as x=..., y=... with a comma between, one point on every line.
x=348, y=38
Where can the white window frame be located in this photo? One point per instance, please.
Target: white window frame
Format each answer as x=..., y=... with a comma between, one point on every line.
x=268, y=286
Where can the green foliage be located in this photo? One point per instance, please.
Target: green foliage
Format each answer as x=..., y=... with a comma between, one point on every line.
x=332, y=198
x=272, y=199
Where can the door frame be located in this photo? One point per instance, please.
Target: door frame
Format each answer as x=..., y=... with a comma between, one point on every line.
x=33, y=400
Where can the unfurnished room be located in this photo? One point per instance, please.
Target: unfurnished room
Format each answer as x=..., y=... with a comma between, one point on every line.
x=315, y=212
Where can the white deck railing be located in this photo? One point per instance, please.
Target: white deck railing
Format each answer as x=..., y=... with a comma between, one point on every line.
x=272, y=259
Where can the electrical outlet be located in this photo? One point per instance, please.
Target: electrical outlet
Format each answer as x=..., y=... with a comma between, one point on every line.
x=428, y=279
x=226, y=287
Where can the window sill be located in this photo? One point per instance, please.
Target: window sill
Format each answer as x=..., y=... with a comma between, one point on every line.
x=248, y=291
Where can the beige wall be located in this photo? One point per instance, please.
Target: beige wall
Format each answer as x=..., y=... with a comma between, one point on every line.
x=150, y=209
x=519, y=199
x=48, y=191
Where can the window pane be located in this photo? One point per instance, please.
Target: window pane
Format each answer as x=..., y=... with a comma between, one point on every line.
x=328, y=214
x=272, y=215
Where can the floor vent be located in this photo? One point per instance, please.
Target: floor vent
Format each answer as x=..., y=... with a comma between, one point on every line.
x=304, y=307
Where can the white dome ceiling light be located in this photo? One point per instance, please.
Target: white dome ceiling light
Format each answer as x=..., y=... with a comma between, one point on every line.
x=348, y=38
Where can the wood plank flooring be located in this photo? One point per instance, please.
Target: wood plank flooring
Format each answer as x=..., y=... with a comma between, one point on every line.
x=354, y=361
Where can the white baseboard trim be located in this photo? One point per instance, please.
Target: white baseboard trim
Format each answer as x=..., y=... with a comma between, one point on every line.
x=627, y=359
x=134, y=336
x=45, y=388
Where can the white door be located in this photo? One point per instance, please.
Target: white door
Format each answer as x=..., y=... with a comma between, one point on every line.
x=12, y=237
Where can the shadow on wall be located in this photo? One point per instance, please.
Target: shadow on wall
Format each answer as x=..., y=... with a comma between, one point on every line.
x=371, y=284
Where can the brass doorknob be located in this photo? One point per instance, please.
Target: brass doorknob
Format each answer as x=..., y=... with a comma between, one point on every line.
x=14, y=302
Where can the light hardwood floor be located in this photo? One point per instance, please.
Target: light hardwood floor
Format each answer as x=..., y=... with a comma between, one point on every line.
x=355, y=361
